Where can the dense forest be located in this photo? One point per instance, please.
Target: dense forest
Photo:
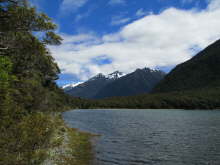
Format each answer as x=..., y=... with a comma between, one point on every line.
x=206, y=98
x=28, y=92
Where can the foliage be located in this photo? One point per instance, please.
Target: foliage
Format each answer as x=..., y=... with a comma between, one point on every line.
x=207, y=98
x=5, y=68
x=27, y=84
x=25, y=141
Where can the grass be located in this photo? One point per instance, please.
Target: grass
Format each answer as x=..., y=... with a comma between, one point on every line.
x=71, y=147
x=42, y=138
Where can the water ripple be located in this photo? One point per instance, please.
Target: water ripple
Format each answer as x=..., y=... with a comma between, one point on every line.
x=149, y=137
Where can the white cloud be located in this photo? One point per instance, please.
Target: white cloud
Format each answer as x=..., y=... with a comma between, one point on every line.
x=81, y=16
x=141, y=13
x=69, y=6
x=116, y=2
x=214, y=5
x=119, y=20
x=152, y=41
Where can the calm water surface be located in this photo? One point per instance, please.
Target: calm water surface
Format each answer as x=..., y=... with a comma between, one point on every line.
x=151, y=137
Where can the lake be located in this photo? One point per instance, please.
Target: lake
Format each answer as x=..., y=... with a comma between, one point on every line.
x=151, y=137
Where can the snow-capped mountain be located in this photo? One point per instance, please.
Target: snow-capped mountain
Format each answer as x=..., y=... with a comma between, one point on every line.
x=138, y=82
x=115, y=75
x=90, y=88
x=70, y=86
x=98, y=76
x=117, y=84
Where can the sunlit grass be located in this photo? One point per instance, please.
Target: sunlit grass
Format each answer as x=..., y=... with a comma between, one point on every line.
x=70, y=146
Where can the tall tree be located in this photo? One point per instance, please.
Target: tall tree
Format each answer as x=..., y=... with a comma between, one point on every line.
x=27, y=87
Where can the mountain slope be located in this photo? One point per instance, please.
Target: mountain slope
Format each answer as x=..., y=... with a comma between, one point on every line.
x=202, y=71
x=139, y=82
x=91, y=87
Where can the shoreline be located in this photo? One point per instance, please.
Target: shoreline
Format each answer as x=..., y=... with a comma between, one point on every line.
x=144, y=109
x=71, y=146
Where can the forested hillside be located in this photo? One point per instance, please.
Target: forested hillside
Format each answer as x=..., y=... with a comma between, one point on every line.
x=202, y=71
x=28, y=93
x=206, y=98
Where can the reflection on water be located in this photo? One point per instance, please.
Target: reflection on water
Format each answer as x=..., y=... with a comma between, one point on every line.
x=151, y=137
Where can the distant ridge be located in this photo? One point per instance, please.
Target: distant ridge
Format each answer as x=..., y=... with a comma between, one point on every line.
x=117, y=84
x=138, y=82
x=91, y=87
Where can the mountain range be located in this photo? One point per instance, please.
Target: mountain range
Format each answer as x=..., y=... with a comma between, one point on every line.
x=194, y=84
x=116, y=84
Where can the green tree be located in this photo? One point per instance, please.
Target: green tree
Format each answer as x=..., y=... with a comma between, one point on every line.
x=27, y=87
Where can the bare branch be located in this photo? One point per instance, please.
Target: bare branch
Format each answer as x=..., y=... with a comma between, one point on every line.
x=4, y=48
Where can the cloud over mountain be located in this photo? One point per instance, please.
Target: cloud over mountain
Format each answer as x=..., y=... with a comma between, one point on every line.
x=165, y=39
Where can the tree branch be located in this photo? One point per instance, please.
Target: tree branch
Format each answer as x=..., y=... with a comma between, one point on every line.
x=4, y=48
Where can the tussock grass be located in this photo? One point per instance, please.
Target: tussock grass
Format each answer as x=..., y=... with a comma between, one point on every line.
x=71, y=146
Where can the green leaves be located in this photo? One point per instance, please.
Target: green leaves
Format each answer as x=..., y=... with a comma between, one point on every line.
x=5, y=64
x=26, y=140
x=52, y=39
x=17, y=17
x=5, y=69
x=25, y=130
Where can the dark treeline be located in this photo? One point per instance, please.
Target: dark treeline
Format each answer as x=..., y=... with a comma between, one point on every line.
x=195, y=99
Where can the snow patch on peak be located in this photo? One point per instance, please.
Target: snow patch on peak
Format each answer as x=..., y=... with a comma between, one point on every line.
x=71, y=85
x=115, y=75
x=151, y=70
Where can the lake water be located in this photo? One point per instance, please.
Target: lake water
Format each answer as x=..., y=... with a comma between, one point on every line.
x=151, y=137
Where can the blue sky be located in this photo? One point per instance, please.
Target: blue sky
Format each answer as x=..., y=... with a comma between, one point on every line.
x=97, y=15
x=108, y=35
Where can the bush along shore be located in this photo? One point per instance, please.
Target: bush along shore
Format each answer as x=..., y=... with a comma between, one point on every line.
x=32, y=132
x=45, y=139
